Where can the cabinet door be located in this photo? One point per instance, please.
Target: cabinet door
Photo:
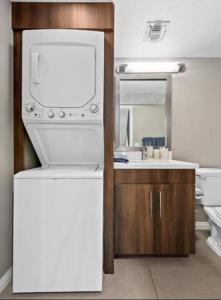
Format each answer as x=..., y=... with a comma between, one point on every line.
x=134, y=219
x=174, y=218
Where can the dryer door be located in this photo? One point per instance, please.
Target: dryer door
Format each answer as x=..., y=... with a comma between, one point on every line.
x=62, y=75
x=62, y=68
x=67, y=144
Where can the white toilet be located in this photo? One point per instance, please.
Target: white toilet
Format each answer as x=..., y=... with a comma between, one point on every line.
x=209, y=182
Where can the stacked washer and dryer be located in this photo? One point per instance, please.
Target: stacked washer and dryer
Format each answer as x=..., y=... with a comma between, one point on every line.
x=58, y=208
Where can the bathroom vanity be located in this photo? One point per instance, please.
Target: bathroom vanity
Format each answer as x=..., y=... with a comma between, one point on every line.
x=154, y=208
x=154, y=199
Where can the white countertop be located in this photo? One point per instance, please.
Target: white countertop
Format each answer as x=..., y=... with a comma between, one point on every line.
x=156, y=164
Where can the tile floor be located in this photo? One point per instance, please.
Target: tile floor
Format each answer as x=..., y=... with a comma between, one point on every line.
x=196, y=277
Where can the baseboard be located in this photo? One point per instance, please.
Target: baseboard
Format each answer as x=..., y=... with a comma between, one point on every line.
x=202, y=226
x=5, y=279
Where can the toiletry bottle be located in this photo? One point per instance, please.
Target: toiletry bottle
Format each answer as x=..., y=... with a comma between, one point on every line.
x=150, y=152
x=144, y=153
x=170, y=154
x=166, y=151
x=162, y=151
x=156, y=153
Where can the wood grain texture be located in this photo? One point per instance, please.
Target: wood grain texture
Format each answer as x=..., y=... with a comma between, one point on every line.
x=134, y=219
x=86, y=16
x=174, y=231
x=192, y=219
x=154, y=176
x=93, y=16
x=19, y=141
x=108, y=155
x=173, y=219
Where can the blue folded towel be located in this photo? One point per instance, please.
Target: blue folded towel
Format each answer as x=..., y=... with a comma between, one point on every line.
x=121, y=158
x=153, y=141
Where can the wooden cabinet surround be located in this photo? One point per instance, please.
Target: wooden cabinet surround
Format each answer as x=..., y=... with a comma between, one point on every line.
x=154, y=212
x=66, y=15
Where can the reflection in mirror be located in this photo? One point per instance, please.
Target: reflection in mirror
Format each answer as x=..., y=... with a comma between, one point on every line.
x=142, y=113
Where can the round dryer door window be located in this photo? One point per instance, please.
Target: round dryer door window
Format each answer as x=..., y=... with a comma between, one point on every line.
x=62, y=74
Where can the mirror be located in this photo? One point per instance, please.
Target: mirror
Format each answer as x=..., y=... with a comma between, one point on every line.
x=143, y=112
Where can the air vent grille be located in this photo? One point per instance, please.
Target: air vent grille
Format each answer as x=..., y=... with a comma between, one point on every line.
x=155, y=30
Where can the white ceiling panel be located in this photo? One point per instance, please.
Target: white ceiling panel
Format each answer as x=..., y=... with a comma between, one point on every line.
x=194, y=30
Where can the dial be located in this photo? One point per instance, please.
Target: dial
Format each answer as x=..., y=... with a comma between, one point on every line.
x=29, y=107
x=61, y=114
x=51, y=114
x=94, y=108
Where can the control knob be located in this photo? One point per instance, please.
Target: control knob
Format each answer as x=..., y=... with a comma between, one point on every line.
x=51, y=114
x=61, y=114
x=30, y=107
x=94, y=108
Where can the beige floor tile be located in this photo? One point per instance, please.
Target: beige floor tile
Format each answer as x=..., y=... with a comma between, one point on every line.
x=151, y=260
x=204, y=254
x=197, y=282
x=163, y=261
x=198, y=276
x=132, y=280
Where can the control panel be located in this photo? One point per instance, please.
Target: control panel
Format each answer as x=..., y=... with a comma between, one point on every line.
x=34, y=111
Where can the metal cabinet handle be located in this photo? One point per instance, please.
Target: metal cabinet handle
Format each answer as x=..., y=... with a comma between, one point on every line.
x=151, y=204
x=160, y=204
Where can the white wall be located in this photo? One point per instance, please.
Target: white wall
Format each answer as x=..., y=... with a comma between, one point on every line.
x=148, y=121
x=196, y=112
x=6, y=137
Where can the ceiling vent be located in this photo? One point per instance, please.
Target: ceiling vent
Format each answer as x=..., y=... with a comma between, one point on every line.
x=155, y=30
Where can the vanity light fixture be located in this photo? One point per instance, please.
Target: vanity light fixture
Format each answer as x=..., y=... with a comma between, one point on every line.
x=150, y=67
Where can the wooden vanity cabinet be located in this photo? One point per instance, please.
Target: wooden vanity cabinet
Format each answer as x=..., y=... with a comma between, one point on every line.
x=174, y=210
x=154, y=218
x=134, y=219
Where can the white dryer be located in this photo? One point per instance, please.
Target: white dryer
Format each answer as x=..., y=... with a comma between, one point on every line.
x=58, y=208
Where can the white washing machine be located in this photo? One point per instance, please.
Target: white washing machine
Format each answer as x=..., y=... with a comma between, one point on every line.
x=58, y=208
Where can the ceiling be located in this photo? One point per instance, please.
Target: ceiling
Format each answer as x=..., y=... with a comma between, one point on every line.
x=194, y=30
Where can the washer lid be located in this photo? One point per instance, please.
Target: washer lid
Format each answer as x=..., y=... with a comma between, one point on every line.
x=78, y=172
x=67, y=144
x=208, y=172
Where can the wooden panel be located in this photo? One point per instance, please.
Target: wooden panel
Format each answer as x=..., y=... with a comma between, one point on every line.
x=192, y=219
x=134, y=219
x=108, y=155
x=173, y=219
x=18, y=124
x=91, y=16
x=154, y=176
x=98, y=16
